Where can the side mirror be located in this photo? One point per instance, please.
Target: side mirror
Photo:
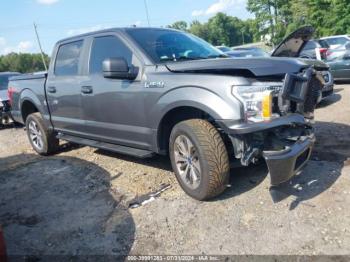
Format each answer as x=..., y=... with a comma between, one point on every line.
x=117, y=68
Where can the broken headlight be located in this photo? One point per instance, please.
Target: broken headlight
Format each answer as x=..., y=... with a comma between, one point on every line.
x=257, y=100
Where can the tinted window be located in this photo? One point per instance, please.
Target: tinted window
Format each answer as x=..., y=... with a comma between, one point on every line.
x=310, y=45
x=107, y=47
x=4, y=80
x=323, y=43
x=67, y=60
x=337, y=41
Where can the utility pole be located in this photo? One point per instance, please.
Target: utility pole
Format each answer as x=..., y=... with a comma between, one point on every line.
x=41, y=49
x=147, y=14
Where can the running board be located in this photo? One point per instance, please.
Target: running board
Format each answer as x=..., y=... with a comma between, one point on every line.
x=140, y=153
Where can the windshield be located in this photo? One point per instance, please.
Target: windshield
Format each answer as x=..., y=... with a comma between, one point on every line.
x=168, y=45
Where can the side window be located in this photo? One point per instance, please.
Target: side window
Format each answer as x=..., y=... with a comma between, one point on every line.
x=67, y=59
x=107, y=47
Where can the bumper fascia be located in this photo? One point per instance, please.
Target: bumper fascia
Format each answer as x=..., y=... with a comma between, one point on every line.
x=284, y=164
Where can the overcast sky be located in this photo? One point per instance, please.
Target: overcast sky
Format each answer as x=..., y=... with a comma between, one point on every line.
x=58, y=19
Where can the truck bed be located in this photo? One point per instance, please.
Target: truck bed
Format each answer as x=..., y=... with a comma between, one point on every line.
x=31, y=87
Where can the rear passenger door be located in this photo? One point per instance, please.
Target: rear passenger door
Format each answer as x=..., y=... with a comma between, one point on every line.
x=63, y=88
x=114, y=108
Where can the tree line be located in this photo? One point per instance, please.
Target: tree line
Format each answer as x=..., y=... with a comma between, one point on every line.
x=23, y=63
x=274, y=19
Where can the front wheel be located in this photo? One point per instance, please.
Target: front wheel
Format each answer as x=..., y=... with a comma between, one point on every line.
x=43, y=140
x=199, y=159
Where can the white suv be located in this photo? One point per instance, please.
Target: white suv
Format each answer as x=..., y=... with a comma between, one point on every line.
x=336, y=40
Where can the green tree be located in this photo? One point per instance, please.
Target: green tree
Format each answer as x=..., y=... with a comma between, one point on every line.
x=179, y=25
x=23, y=63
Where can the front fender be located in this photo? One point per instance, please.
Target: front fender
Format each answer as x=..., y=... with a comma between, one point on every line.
x=218, y=107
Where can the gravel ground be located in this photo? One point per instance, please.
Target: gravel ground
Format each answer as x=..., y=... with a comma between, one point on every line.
x=77, y=202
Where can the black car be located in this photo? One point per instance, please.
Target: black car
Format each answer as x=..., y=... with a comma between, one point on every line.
x=4, y=99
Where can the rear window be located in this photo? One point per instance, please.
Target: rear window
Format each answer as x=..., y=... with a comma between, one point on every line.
x=337, y=41
x=323, y=44
x=311, y=45
x=67, y=60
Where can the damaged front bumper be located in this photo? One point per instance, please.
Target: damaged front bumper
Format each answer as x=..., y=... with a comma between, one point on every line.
x=284, y=164
x=285, y=143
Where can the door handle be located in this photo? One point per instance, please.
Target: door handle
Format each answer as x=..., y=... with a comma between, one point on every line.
x=51, y=89
x=86, y=89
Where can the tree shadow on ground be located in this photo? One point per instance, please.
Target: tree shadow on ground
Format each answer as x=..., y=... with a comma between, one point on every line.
x=62, y=208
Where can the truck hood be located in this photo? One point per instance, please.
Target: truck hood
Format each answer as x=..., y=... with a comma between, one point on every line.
x=258, y=67
x=3, y=95
x=293, y=44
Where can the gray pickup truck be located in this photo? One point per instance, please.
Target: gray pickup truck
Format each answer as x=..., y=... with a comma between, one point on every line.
x=146, y=91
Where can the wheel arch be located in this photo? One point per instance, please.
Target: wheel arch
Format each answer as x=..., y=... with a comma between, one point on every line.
x=174, y=116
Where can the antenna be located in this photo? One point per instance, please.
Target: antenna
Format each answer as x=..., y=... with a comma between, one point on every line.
x=147, y=14
x=41, y=50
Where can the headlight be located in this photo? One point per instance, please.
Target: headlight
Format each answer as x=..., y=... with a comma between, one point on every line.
x=257, y=100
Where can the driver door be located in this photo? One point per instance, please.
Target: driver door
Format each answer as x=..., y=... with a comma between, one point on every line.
x=114, y=108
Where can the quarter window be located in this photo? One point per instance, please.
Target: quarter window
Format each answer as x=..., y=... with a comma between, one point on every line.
x=67, y=60
x=107, y=47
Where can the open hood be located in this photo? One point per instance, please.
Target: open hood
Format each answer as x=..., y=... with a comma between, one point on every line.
x=292, y=45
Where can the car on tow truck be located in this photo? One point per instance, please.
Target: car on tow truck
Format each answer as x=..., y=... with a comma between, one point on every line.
x=146, y=91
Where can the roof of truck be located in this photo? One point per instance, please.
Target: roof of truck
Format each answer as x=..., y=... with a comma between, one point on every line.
x=115, y=29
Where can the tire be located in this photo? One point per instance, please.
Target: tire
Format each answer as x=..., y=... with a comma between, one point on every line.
x=46, y=142
x=206, y=172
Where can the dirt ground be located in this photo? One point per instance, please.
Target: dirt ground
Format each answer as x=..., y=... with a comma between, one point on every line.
x=76, y=203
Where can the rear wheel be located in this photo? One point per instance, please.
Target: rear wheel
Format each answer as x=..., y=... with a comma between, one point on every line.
x=199, y=159
x=43, y=140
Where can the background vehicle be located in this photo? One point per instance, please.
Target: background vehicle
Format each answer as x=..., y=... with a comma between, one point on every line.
x=141, y=91
x=340, y=65
x=294, y=45
x=224, y=49
x=336, y=41
x=243, y=52
x=248, y=52
x=4, y=99
x=313, y=46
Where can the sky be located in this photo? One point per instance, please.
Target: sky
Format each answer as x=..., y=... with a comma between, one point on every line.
x=57, y=19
